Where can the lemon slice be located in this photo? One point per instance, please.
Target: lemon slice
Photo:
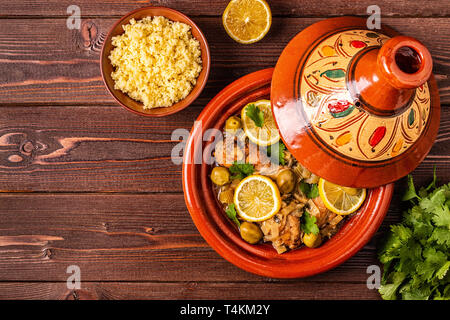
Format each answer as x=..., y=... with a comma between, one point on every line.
x=341, y=200
x=267, y=134
x=247, y=21
x=257, y=198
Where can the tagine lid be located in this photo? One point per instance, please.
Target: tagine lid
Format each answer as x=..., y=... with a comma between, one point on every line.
x=356, y=107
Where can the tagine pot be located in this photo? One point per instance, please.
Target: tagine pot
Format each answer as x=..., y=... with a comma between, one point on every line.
x=357, y=107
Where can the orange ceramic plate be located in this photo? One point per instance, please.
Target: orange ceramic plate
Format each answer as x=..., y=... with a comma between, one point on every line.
x=219, y=231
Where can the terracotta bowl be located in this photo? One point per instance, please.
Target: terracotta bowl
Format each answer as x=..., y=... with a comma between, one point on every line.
x=223, y=236
x=106, y=67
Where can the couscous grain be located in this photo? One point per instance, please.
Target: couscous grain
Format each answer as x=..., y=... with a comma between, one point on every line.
x=156, y=60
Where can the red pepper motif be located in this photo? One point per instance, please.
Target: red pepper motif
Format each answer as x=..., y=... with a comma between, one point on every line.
x=377, y=136
x=358, y=44
x=340, y=109
x=339, y=106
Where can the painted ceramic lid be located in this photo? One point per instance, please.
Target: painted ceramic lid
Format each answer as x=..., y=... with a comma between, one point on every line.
x=357, y=107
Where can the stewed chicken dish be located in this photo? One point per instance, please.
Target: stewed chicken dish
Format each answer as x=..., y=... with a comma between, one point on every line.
x=267, y=193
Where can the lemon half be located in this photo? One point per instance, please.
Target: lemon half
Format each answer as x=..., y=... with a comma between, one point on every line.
x=341, y=200
x=263, y=136
x=247, y=21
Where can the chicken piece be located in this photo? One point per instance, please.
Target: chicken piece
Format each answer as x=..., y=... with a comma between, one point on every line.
x=289, y=159
x=271, y=229
x=227, y=151
x=289, y=208
x=262, y=163
x=289, y=236
x=294, y=231
x=334, y=221
x=283, y=229
x=318, y=211
x=312, y=179
x=331, y=225
x=300, y=197
x=278, y=245
x=298, y=211
x=328, y=231
x=320, y=205
x=301, y=171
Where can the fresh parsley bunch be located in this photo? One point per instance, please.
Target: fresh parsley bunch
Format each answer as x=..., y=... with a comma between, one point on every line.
x=416, y=252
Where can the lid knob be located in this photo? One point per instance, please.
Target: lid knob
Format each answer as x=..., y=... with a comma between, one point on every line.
x=384, y=79
x=405, y=62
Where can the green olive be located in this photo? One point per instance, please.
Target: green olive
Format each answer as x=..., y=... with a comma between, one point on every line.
x=286, y=181
x=233, y=123
x=312, y=240
x=250, y=232
x=220, y=176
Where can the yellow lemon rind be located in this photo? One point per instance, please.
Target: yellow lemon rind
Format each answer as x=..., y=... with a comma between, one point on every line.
x=332, y=208
x=260, y=36
x=247, y=131
x=275, y=193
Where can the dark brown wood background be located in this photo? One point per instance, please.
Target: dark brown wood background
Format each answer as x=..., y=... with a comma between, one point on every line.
x=84, y=182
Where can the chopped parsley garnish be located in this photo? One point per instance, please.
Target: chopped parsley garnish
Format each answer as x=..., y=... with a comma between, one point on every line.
x=311, y=191
x=254, y=113
x=231, y=213
x=241, y=170
x=277, y=154
x=308, y=224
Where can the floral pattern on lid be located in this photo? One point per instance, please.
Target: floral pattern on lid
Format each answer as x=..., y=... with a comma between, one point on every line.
x=335, y=117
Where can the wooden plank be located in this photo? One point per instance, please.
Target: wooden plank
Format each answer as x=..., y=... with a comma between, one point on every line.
x=43, y=62
x=89, y=149
x=302, y=8
x=114, y=237
x=76, y=149
x=286, y=290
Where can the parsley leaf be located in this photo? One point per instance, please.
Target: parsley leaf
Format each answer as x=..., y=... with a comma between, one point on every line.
x=443, y=270
x=387, y=291
x=411, y=191
x=423, y=192
x=309, y=224
x=277, y=154
x=254, y=113
x=441, y=236
x=311, y=191
x=433, y=183
x=241, y=170
x=231, y=213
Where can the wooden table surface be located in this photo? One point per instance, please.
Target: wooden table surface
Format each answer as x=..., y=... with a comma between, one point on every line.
x=84, y=182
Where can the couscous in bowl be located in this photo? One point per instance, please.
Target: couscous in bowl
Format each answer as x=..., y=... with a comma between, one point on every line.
x=107, y=68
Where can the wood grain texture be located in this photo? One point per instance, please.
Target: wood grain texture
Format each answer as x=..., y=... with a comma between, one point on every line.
x=309, y=8
x=83, y=182
x=76, y=149
x=108, y=149
x=283, y=290
x=44, y=62
x=114, y=237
